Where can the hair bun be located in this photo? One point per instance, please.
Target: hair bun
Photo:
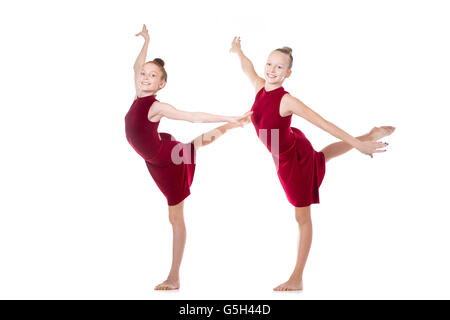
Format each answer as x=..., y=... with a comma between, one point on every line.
x=159, y=62
x=289, y=50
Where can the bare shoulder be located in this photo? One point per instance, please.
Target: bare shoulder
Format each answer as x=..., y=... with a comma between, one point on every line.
x=292, y=105
x=287, y=101
x=155, y=112
x=162, y=109
x=158, y=105
x=156, y=108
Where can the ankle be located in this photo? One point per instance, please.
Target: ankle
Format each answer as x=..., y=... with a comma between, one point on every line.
x=296, y=278
x=174, y=278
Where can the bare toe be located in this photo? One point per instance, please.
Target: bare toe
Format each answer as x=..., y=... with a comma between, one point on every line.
x=168, y=285
x=379, y=132
x=290, y=286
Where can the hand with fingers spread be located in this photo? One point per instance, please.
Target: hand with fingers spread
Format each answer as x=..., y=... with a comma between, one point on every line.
x=370, y=147
x=144, y=33
x=236, y=45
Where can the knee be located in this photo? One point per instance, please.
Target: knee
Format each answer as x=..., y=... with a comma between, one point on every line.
x=303, y=217
x=176, y=218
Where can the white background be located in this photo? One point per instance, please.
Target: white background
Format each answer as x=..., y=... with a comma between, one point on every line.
x=81, y=217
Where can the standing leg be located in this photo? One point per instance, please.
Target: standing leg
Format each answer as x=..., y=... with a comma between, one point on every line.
x=303, y=217
x=336, y=149
x=179, y=239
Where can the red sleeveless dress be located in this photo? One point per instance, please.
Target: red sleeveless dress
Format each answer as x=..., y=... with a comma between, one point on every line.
x=300, y=168
x=170, y=163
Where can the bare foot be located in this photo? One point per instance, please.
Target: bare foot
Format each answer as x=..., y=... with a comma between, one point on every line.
x=290, y=285
x=379, y=132
x=168, y=285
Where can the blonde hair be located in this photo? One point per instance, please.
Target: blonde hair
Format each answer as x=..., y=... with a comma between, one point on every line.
x=288, y=51
x=160, y=63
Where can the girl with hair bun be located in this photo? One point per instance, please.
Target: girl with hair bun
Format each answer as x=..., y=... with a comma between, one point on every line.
x=170, y=163
x=300, y=168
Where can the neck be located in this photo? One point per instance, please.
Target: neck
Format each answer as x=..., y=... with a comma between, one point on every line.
x=272, y=86
x=143, y=94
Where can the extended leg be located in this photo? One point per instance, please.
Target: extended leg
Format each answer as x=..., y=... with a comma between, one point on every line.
x=210, y=136
x=179, y=239
x=303, y=217
x=336, y=149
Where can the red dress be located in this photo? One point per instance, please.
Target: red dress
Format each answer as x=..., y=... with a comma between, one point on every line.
x=170, y=163
x=300, y=168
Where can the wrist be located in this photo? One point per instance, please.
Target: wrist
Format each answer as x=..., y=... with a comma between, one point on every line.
x=357, y=144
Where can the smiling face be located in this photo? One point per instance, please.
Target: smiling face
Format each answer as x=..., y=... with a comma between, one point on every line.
x=277, y=68
x=150, y=78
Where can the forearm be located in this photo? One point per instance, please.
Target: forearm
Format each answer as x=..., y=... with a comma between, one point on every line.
x=310, y=115
x=142, y=56
x=246, y=64
x=207, y=117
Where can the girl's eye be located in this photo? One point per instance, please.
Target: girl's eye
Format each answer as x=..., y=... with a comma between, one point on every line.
x=279, y=67
x=268, y=64
x=142, y=74
x=153, y=75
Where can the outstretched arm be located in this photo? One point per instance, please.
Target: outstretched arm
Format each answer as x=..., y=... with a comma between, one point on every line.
x=161, y=109
x=247, y=65
x=212, y=135
x=143, y=54
x=140, y=60
x=291, y=105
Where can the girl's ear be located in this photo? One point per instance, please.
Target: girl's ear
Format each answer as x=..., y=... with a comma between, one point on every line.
x=162, y=85
x=288, y=73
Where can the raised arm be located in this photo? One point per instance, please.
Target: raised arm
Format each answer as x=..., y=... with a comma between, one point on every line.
x=291, y=105
x=140, y=60
x=161, y=109
x=247, y=65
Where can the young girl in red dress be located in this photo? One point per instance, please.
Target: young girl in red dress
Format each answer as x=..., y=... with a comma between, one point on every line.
x=300, y=168
x=170, y=163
